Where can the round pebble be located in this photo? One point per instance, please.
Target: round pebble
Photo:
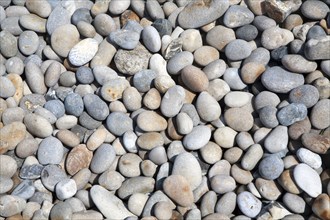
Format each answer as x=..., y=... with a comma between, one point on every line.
x=271, y=167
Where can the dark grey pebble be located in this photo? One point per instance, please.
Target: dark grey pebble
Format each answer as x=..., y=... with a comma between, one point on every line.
x=315, y=32
x=267, y=116
x=278, y=53
x=143, y=80
x=84, y=75
x=31, y=171
x=247, y=32
x=163, y=26
x=74, y=104
x=96, y=107
x=292, y=113
x=56, y=107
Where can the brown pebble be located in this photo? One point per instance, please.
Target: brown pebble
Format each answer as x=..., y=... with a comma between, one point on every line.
x=178, y=189
x=68, y=138
x=315, y=142
x=251, y=71
x=287, y=182
x=194, y=78
x=78, y=158
x=321, y=206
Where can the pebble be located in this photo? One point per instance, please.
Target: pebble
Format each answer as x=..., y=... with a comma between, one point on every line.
x=138, y=59
x=38, y=125
x=186, y=165
x=298, y=64
x=129, y=165
x=319, y=117
x=126, y=39
x=195, y=14
x=225, y=137
x=177, y=183
x=294, y=202
x=319, y=9
x=239, y=119
x=197, y=138
x=236, y=99
x=238, y=50
x=51, y=175
x=267, y=116
x=315, y=142
x=172, y=101
x=307, y=179
x=237, y=16
x=207, y=107
x=151, y=121
x=28, y=42
x=50, y=151
x=206, y=55
x=268, y=189
x=11, y=205
x=6, y=184
x=102, y=158
x=96, y=107
x=292, y=113
x=143, y=79
x=24, y=190
x=79, y=54
x=305, y=94
x=275, y=37
x=247, y=32
x=252, y=156
x=249, y=204
x=61, y=211
x=271, y=167
x=232, y=78
x=65, y=189
x=277, y=140
x=135, y=185
x=77, y=159
x=281, y=82
x=315, y=49
x=62, y=45
x=118, y=123
x=109, y=205
x=31, y=171
x=191, y=40
x=222, y=184
x=320, y=206
x=11, y=135
x=194, y=78
x=151, y=38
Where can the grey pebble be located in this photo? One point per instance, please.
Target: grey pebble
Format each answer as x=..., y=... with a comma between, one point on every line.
x=237, y=16
x=247, y=32
x=172, y=101
x=103, y=158
x=139, y=184
x=316, y=49
x=277, y=140
x=65, y=189
x=238, y=50
x=31, y=171
x=292, y=113
x=84, y=75
x=315, y=32
x=267, y=116
x=298, y=64
x=56, y=107
x=15, y=65
x=28, y=42
x=61, y=211
x=96, y=107
x=48, y=115
x=163, y=26
x=281, y=82
x=7, y=87
x=271, y=167
x=305, y=94
x=50, y=151
x=81, y=14
x=24, y=190
x=151, y=38
x=154, y=9
x=67, y=79
x=263, y=22
x=314, y=10
x=179, y=61
x=74, y=104
x=11, y=24
x=143, y=80
x=88, y=122
x=51, y=175
x=232, y=78
x=249, y=204
x=8, y=47
x=7, y=208
x=6, y=184
x=126, y=39
x=58, y=17
x=118, y=123
x=104, y=74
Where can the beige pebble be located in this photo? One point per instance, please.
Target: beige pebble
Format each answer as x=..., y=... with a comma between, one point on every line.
x=96, y=139
x=78, y=158
x=151, y=121
x=68, y=138
x=194, y=78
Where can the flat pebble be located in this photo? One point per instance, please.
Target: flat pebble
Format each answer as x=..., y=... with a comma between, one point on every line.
x=320, y=9
x=298, y=64
x=126, y=39
x=307, y=179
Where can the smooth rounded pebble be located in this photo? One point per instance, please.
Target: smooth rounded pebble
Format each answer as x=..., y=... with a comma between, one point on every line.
x=178, y=189
x=238, y=119
x=307, y=179
x=65, y=189
x=38, y=125
x=249, y=204
x=197, y=138
x=102, y=158
x=11, y=205
x=271, y=167
x=50, y=151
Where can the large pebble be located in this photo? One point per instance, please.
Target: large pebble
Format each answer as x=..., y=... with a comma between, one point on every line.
x=298, y=64
x=96, y=107
x=305, y=94
x=51, y=175
x=83, y=52
x=118, y=123
x=320, y=118
x=200, y=13
x=28, y=42
x=316, y=49
x=179, y=61
x=186, y=165
x=197, y=138
x=314, y=10
x=279, y=80
x=292, y=113
x=307, y=179
x=179, y=190
x=126, y=39
x=316, y=142
x=310, y=158
x=11, y=135
x=238, y=50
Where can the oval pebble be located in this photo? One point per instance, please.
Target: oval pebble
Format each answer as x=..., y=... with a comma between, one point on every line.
x=38, y=125
x=249, y=204
x=50, y=151
x=102, y=158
